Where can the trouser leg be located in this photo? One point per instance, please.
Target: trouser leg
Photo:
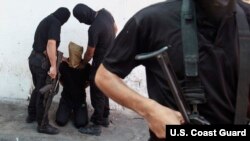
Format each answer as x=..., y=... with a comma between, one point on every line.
x=32, y=102
x=106, y=107
x=80, y=109
x=63, y=112
x=40, y=107
x=100, y=104
x=81, y=115
x=99, y=101
x=32, y=105
x=36, y=103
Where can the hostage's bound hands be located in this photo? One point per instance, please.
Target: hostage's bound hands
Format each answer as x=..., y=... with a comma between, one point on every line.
x=159, y=116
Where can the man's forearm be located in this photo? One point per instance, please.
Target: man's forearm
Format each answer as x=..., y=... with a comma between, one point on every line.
x=157, y=115
x=117, y=90
x=88, y=54
x=51, y=51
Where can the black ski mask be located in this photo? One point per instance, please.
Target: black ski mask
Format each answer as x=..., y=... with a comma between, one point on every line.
x=62, y=14
x=216, y=10
x=84, y=14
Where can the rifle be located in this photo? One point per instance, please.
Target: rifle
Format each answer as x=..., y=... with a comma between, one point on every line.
x=51, y=88
x=190, y=117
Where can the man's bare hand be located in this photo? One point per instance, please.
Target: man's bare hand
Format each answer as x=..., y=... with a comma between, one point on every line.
x=160, y=116
x=52, y=72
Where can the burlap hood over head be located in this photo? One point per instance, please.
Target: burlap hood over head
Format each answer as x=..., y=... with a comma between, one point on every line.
x=75, y=54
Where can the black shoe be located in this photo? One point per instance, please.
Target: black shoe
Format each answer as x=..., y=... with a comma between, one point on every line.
x=105, y=122
x=47, y=129
x=30, y=119
x=91, y=130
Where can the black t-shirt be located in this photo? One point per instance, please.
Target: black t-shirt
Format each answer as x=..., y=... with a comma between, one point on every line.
x=48, y=28
x=101, y=35
x=159, y=25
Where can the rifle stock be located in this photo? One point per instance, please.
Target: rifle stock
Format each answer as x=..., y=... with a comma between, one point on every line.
x=46, y=88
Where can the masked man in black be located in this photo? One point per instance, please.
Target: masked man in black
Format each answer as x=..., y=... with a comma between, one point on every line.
x=101, y=35
x=159, y=25
x=42, y=63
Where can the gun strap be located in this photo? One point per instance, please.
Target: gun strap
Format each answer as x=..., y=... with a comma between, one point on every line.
x=193, y=89
x=189, y=38
x=244, y=67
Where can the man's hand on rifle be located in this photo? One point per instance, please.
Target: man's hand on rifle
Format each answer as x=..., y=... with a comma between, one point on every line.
x=159, y=116
x=52, y=72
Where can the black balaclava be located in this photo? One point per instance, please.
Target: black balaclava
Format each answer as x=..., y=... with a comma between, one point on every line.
x=84, y=14
x=62, y=14
x=216, y=10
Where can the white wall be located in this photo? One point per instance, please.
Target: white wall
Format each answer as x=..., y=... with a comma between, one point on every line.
x=18, y=21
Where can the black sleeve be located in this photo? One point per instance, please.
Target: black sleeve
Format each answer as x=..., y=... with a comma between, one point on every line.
x=54, y=31
x=93, y=36
x=120, y=59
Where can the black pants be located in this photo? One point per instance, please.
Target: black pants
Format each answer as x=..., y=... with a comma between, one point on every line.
x=36, y=107
x=99, y=102
x=66, y=108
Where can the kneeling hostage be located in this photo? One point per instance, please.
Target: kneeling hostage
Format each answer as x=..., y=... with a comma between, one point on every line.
x=74, y=79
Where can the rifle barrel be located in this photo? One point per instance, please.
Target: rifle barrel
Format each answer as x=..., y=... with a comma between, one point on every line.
x=174, y=86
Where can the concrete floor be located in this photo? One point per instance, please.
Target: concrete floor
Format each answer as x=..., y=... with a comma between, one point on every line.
x=125, y=126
